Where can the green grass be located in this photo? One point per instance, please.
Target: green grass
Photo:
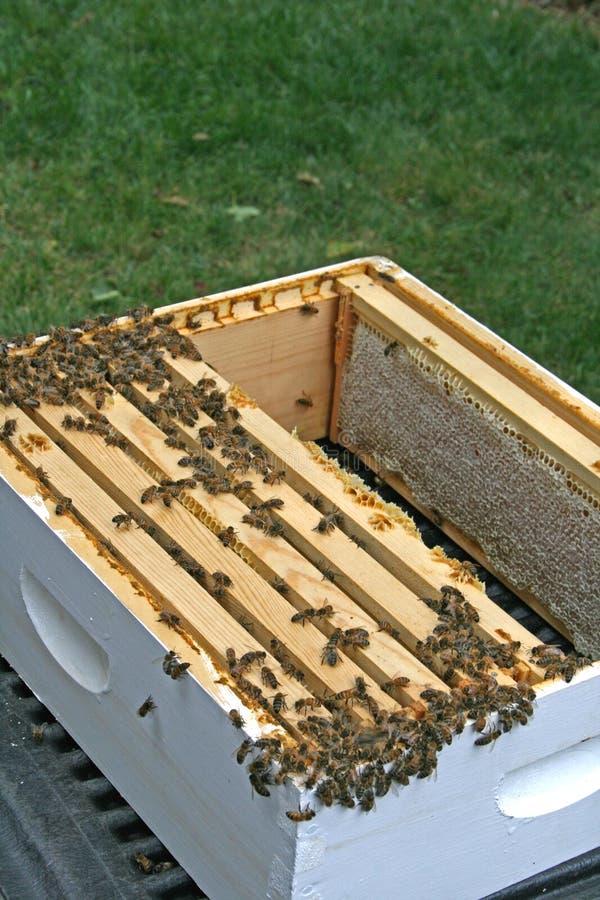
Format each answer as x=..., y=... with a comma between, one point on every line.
x=459, y=138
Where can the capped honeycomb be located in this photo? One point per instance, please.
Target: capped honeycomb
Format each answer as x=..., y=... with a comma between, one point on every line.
x=538, y=526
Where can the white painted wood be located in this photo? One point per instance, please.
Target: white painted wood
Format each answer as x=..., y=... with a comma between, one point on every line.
x=439, y=837
x=445, y=836
x=175, y=766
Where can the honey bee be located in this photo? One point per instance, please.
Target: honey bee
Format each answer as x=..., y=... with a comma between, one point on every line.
x=279, y=703
x=169, y=619
x=275, y=477
x=37, y=732
x=291, y=670
x=144, y=863
x=330, y=653
x=308, y=308
x=306, y=703
x=314, y=500
x=279, y=585
x=305, y=400
x=390, y=348
x=253, y=656
x=149, y=494
x=222, y=579
x=41, y=475
x=230, y=658
x=147, y=706
x=243, y=750
x=389, y=629
x=390, y=686
x=268, y=678
x=169, y=660
x=259, y=786
x=227, y=535
x=63, y=506
x=8, y=429
x=301, y=815
x=179, y=669
x=273, y=503
x=356, y=637
x=236, y=718
x=124, y=519
x=327, y=572
x=241, y=487
x=487, y=738
x=327, y=523
x=254, y=520
x=359, y=543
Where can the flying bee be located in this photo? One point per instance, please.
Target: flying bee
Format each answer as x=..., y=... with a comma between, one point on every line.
x=169, y=619
x=236, y=718
x=390, y=348
x=305, y=400
x=268, y=678
x=63, y=506
x=124, y=519
x=147, y=706
x=301, y=815
x=327, y=523
x=227, y=535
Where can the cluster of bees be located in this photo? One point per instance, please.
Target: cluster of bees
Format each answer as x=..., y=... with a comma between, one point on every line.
x=345, y=761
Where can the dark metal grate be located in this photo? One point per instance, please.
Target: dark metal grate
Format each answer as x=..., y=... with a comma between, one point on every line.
x=65, y=832
x=433, y=536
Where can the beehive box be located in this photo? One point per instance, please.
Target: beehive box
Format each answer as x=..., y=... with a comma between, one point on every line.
x=140, y=462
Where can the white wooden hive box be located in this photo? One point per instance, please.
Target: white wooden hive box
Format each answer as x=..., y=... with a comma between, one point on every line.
x=501, y=455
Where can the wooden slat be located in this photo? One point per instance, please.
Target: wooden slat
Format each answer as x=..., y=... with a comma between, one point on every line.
x=208, y=622
x=120, y=477
x=385, y=658
x=131, y=593
x=565, y=444
x=561, y=399
x=401, y=553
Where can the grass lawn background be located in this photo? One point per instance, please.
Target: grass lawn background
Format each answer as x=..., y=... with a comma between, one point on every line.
x=460, y=138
